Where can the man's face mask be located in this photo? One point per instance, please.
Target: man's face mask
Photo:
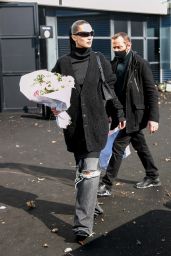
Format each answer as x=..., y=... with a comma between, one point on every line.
x=120, y=54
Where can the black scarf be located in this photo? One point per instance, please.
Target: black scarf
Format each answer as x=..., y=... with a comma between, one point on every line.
x=80, y=53
x=79, y=60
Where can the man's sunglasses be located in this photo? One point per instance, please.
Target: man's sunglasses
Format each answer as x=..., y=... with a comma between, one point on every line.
x=84, y=33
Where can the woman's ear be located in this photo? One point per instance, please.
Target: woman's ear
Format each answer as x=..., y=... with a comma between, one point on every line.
x=74, y=37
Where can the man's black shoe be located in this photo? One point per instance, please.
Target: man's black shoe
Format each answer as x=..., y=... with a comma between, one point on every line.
x=103, y=190
x=148, y=182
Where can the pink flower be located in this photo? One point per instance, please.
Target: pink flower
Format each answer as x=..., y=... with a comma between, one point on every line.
x=37, y=93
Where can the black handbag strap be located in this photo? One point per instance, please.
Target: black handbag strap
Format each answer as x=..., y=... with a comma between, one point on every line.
x=100, y=68
x=106, y=90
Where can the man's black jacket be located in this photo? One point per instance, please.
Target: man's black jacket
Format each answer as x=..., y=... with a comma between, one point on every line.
x=139, y=93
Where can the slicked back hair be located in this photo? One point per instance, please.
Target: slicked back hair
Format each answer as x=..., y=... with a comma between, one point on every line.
x=76, y=24
x=123, y=35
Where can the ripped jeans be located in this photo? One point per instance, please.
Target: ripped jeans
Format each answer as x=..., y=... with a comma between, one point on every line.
x=86, y=183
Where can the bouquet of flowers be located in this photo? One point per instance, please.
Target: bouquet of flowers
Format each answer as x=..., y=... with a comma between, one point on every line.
x=50, y=89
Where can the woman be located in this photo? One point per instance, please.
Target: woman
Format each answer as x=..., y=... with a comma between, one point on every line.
x=87, y=134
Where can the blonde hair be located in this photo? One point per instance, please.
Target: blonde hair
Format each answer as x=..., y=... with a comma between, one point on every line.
x=76, y=24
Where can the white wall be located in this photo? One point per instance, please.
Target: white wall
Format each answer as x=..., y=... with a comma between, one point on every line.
x=135, y=6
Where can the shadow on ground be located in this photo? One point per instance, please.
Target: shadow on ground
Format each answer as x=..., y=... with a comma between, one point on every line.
x=39, y=170
x=147, y=235
x=45, y=211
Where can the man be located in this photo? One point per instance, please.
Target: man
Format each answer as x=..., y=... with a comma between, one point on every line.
x=87, y=133
x=137, y=93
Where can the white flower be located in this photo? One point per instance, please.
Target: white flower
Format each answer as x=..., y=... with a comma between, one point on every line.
x=51, y=89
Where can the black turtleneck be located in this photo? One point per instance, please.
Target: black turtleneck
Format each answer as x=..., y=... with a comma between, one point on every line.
x=79, y=60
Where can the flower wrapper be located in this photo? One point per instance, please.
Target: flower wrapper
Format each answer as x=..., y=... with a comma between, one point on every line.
x=50, y=89
x=106, y=152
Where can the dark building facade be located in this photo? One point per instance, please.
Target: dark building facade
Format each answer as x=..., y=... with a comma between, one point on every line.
x=23, y=51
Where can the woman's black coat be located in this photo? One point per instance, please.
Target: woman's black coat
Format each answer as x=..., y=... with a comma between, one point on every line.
x=141, y=96
x=89, y=98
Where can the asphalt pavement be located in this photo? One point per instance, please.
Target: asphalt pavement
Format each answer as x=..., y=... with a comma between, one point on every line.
x=37, y=194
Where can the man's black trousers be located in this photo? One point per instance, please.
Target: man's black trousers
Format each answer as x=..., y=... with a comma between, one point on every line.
x=138, y=141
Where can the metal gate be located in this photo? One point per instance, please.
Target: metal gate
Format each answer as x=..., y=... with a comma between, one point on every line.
x=19, y=51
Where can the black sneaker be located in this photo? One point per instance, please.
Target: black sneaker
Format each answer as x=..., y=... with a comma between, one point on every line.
x=104, y=191
x=81, y=237
x=148, y=182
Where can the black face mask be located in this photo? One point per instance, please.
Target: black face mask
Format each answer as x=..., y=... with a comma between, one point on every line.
x=120, y=54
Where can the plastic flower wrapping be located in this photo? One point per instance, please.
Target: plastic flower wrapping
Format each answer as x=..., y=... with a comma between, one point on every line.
x=50, y=89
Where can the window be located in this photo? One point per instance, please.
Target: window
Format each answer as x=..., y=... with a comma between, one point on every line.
x=153, y=28
x=155, y=70
x=121, y=26
x=102, y=45
x=63, y=46
x=137, y=45
x=100, y=24
x=136, y=28
x=153, y=50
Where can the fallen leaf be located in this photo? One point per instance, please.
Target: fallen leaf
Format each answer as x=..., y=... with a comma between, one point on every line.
x=45, y=245
x=31, y=204
x=168, y=194
x=2, y=207
x=68, y=250
x=118, y=184
x=54, y=230
x=40, y=179
x=100, y=203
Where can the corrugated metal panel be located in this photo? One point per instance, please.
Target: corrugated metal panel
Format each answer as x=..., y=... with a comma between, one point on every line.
x=165, y=50
x=63, y=47
x=166, y=21
x=101, y=24
x=153, y=25
x=156, y=71
x=102, y=45
x=166, y=74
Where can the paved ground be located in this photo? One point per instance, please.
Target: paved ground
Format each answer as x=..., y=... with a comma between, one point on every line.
x=35, y=166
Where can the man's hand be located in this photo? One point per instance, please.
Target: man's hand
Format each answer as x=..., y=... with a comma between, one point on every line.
x=55, y=112
x=122, y=125
x=152, y=126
